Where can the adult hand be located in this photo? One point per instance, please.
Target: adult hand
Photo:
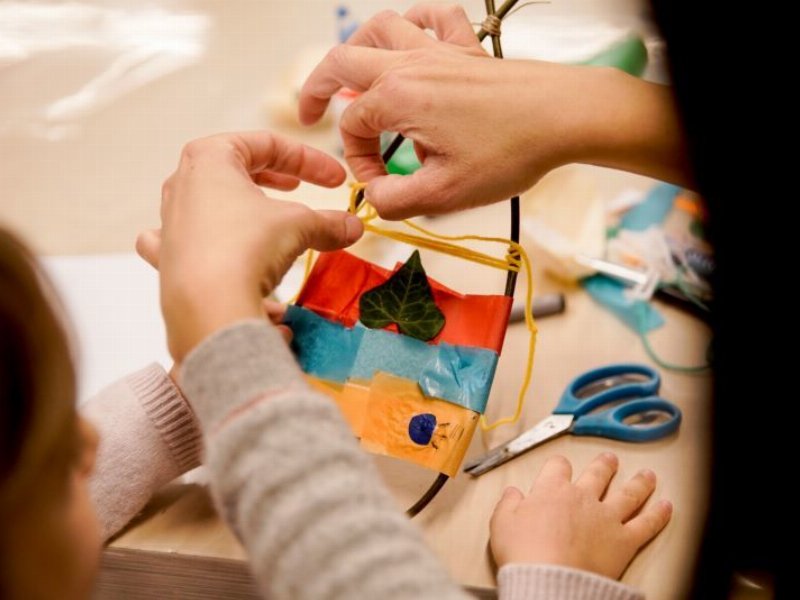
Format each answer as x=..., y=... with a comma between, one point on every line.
x=224, y=244
x=484, y=129
x=565, y=523
x=464, y=110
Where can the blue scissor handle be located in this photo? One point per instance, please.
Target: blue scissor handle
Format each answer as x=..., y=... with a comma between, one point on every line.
x=570, y=404
x=611, y=423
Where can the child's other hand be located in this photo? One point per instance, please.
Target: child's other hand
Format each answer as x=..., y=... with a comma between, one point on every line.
x=573, y=524
x=275, y=312
x=224, y=244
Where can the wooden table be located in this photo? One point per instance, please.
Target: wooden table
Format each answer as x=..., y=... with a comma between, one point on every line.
x=182, y=524
x=92, y=189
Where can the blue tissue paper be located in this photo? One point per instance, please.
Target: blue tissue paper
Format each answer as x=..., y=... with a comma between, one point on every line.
x=459, y=374
x=636, y=314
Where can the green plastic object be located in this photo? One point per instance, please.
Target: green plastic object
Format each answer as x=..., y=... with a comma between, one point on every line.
x=629, y=55
x=404, y=161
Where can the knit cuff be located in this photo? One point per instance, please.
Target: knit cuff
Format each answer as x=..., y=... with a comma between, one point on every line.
x=237, y=365
x=533, y=582
x=170, y=414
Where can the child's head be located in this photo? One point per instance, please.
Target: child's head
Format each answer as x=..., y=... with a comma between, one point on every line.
x=49, y=540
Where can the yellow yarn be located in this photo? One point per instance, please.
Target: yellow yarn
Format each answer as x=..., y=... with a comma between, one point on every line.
x=514, y=260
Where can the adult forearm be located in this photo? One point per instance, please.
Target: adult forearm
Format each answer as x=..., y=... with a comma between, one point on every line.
x=625, y=123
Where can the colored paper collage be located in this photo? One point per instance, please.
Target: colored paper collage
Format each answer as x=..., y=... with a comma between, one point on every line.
x=402, y=397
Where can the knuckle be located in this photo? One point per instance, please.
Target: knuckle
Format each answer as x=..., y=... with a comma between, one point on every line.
x=193, y=150
x=390, y=84
x=449, y=196
x=141, y=243
x=218, y=146
x=416, y=57
x=382, y=18
x=299, y=213
x=354, y=117
x=446, y=200
x=337, y=56
x=167, y=188
x=454, y=11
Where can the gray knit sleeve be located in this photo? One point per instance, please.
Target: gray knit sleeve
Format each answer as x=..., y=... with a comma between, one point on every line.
x=293, y=484
x=551, y=582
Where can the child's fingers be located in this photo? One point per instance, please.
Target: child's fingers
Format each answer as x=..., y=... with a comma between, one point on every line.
x=286, y=332
x=557, y=469
x=509, y=500
x=631, y=496
x=598, y=474
x=275, y=311
x=647, y=524
x=508, y=503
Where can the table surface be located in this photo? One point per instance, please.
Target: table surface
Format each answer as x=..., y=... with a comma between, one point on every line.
x=456, y=522
x=90, y=188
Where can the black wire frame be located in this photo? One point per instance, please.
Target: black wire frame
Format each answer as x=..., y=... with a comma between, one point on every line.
x=511, y=279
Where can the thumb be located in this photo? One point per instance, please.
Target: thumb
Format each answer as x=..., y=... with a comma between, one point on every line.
x=332, y=229
x=425, y=192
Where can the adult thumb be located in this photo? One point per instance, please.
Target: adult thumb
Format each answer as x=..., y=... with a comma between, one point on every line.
x=424, y=192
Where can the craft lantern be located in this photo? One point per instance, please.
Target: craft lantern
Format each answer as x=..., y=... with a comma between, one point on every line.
x=403, y=397
x=411, y=378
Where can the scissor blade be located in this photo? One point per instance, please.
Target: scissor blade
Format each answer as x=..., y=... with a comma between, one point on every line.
x=543, y=431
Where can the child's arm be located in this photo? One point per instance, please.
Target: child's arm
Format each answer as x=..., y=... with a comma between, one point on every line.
x=552, y=541
x=148, y=437
x=318, y=523
x=291, y=481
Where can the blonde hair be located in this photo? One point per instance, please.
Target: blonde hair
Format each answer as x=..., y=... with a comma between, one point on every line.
x=39, y=438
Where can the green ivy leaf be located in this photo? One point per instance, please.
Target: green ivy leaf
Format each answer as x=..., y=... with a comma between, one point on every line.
x=405, y=299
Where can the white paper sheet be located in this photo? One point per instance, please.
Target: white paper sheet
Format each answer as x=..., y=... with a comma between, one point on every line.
x=112, y=301
x=113, y=305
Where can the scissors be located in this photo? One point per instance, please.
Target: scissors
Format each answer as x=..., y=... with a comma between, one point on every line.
x=638, y=414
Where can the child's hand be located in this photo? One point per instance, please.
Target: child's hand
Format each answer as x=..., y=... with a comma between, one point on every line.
x=275, y=312
x=572, y=524
x=224, y=245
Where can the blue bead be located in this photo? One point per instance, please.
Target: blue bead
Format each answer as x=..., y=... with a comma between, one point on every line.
x=421, y=428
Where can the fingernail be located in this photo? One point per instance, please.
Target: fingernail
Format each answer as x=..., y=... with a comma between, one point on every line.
x=610, y=457
x=666, y=505
x=648, y=474
x=353, y=228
